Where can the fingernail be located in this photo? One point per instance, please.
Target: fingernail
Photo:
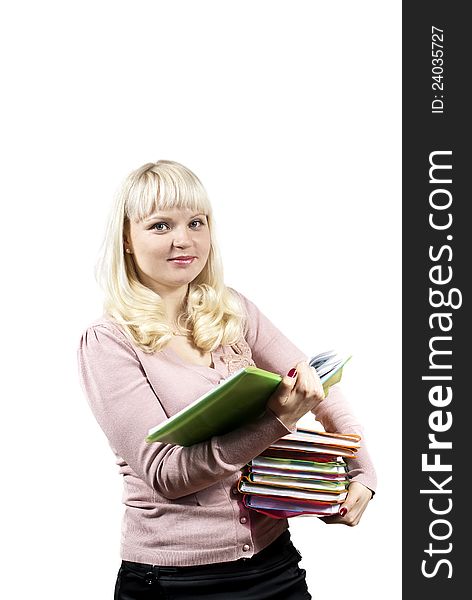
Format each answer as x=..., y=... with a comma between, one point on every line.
x=292, y=372
x=343, y=511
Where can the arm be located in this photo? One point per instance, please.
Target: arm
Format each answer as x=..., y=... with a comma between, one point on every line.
x=335, y=414
x=273, y=351
x=126, y=407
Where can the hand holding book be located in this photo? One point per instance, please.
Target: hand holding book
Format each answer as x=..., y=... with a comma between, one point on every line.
x=350, y=512
x=299, y=392
x=238, y=400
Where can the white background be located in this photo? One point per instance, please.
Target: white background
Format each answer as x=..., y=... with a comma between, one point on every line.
x=289, y=112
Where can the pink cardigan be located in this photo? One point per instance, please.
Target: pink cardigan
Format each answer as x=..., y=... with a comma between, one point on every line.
x=182, y=505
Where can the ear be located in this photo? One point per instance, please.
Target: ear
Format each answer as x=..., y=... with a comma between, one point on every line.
x=127, y=238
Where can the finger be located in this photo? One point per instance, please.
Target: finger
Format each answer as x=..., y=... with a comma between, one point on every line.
x=352, y=509
x=346, y=508
x=312, y=378
x=333, y=519
x=304, y=371
x=306, y=383
x=289, y=381
x=287, y=384
x=310, y=387
x=350, y=518
x=347, y=505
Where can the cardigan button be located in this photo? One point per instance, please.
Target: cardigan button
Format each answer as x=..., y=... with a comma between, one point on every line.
x=243, y=520
x=235, y=491
x=246, y=547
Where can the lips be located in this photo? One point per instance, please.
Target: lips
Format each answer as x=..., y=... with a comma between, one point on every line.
x=182, y=260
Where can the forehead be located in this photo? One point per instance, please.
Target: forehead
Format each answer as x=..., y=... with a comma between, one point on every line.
x=153, y=193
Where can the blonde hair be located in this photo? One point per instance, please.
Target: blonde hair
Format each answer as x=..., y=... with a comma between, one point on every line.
x=213, y=314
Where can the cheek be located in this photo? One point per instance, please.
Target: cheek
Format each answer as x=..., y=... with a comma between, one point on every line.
x=206, y=245
x=148, y=256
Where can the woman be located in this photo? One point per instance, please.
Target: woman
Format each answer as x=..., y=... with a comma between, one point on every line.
x=171, y=331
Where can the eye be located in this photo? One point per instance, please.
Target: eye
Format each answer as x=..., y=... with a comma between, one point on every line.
x=196, y=223
x=161, y=226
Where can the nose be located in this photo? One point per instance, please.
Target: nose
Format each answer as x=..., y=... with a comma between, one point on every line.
x=182, y=238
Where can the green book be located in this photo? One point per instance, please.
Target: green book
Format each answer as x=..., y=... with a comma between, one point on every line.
x=235, y=401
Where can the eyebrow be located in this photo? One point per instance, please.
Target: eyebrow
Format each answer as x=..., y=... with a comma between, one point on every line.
x=164, y=218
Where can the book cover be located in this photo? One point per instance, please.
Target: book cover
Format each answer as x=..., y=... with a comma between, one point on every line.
x=237, y=400
x=314, y=448
x=324, y=438
x=296, y=473
x=247, y=487
x=299, y=482
x=302, y=465
x=289, y=507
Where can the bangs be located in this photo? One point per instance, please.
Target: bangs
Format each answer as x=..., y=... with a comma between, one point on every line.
x=163, y=186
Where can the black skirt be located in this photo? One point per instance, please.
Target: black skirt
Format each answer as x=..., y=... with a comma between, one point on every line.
x=272, y=574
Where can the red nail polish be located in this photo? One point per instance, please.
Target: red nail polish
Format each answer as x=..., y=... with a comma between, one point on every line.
x=292, y=372
x=343, y=511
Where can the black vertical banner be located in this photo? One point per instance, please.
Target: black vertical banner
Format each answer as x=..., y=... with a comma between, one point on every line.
x=437, y=332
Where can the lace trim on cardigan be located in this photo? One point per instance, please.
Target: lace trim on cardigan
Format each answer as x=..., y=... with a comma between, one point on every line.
x=242, y=357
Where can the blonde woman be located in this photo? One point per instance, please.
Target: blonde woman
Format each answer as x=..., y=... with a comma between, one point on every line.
x=171, y=331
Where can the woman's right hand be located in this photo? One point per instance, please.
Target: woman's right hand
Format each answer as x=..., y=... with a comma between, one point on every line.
x=299, y=392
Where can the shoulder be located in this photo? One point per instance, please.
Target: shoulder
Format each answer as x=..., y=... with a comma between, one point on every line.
x=244, y=303
x=249, y=309
x=104, y=332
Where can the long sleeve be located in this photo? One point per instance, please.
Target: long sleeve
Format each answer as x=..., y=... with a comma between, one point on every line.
x=336, y=415
x=126, y=407
x=271, y=350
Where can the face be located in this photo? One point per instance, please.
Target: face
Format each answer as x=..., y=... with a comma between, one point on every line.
x=170, y=248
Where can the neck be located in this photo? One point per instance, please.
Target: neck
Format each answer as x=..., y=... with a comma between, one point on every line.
x=174, y=301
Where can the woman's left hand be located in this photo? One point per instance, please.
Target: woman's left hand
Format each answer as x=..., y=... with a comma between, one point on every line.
x=351, y=510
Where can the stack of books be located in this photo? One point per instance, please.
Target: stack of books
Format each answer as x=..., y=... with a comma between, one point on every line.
x=303, y=473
